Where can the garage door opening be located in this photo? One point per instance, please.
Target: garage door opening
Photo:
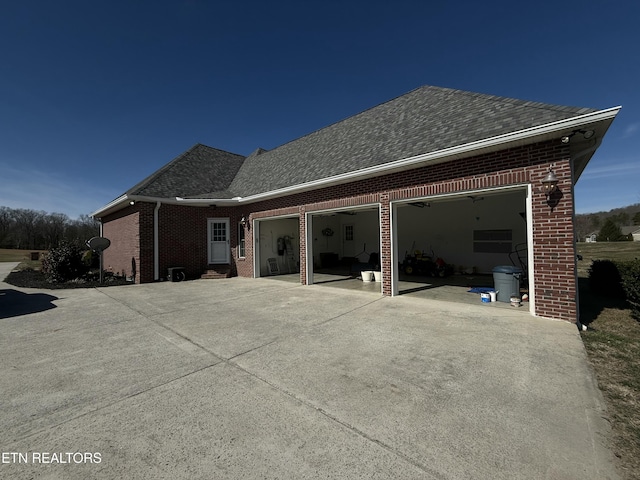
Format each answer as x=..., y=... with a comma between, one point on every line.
x=447, y=246
x=344, y=243
x=277, y=248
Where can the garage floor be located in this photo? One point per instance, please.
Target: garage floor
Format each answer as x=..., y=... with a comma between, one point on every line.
x=451, y=289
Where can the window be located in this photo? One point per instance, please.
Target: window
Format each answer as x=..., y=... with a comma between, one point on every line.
x=241, y=251
x=348, y=233
x=492, y=241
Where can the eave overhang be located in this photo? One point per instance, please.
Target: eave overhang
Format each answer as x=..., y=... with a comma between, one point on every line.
x=581, y=152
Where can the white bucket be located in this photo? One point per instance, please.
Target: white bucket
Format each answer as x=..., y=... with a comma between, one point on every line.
x=367, y=276
x=377, y=276
x=494, y=296
x=485, y=297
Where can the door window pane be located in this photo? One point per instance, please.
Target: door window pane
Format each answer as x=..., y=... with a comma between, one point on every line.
x=219, y=233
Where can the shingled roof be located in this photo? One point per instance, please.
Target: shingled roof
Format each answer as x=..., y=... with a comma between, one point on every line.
x=427, y=119
x=424, y=120
x=200, y=171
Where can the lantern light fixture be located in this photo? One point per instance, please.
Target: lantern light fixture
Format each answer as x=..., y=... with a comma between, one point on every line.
x=549, y=183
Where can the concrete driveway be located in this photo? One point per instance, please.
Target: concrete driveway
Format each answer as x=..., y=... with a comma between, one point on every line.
x=258, y=378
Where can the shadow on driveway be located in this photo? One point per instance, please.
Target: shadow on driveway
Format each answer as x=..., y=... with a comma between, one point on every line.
x=14, y=303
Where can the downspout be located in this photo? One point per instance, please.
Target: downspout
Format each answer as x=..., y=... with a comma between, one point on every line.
x=156, y=253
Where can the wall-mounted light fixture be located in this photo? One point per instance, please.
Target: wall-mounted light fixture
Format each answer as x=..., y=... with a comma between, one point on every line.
x=245, y=223
x=549, y=183
x=586, y=134
x=132, y=202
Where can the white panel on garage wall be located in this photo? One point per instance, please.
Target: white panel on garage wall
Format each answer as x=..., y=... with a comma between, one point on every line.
x=447, y=227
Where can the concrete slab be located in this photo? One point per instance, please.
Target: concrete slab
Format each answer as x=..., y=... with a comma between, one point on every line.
x=255, y=378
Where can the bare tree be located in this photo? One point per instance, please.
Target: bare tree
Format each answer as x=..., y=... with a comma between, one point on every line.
x=27, y=223
x=38, y=230
x=6, y=226
x=53, y=228
x=82, y=229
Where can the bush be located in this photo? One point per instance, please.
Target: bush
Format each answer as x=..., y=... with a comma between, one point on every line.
x=63, y=263
x=630, y=275
x=91, y=259
x=617, y=279
x=605, y=279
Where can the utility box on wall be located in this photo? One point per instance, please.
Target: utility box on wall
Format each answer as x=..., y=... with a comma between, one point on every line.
x=176, y=274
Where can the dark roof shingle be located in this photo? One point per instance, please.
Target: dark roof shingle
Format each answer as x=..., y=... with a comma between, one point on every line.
x=424, y=120
x=197, y=171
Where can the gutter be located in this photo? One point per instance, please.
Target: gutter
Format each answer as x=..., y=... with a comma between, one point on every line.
x=520, y=137
x=439, y=156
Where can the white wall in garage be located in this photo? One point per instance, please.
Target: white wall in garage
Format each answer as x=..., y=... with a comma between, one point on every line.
x=270, y=231
x=447, y=226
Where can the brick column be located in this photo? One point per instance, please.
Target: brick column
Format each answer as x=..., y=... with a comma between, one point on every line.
x=303, y=247
x=554, y=245
x=385, y=238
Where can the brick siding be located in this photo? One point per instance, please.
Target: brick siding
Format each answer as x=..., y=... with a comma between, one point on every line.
x=123, y=229
x=183, y=235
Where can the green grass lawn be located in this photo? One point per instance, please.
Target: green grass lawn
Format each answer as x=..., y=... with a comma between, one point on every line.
x=613, y=347
x=22, y=256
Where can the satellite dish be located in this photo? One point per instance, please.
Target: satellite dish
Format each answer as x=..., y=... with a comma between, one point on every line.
x=98, y=244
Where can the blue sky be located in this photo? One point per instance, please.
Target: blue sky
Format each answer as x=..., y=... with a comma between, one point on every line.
x=95, y=96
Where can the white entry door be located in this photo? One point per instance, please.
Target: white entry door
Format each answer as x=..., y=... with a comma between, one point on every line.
x=218, y=237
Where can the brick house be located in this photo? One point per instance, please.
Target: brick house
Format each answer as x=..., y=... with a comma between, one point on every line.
x=456, y=173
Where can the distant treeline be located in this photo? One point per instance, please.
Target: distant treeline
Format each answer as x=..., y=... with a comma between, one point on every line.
x=38, y=230
x=608, y=225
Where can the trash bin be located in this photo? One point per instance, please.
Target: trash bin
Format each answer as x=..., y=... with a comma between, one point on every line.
x=506, y=280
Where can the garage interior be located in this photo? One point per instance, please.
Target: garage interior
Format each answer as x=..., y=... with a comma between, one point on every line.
x=446, y=246
x=278, y=247
x=449, y=245
x=346, y=242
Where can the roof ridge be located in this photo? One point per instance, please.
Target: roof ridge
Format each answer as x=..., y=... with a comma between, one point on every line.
x=511, y=100
x=519, y=101
x=425, y=119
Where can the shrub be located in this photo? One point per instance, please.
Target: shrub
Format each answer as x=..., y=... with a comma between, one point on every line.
x=630, y=275
x=91, y=259
x=605, y=279
x=63, y=263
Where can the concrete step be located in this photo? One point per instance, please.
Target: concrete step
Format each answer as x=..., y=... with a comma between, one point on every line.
x=222, y=271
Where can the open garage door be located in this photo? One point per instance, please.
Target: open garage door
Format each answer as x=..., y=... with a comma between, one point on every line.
x=448, y=245
x=343, y=244
x=277, y=247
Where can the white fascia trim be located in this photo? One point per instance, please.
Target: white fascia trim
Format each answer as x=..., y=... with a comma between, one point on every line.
x=130, y=198
x=432, y=157
x=442, y=155
x=204, y=202
x=108, y=206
